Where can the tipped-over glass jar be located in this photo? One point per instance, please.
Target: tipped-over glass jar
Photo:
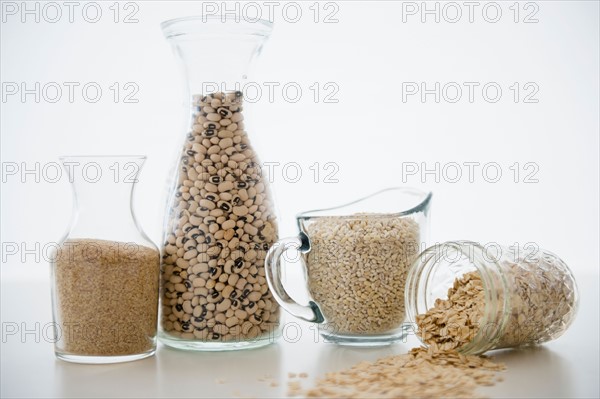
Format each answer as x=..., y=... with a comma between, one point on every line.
x=220, y=219
x=475, y=298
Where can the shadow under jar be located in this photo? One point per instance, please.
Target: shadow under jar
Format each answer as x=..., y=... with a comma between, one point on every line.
x=220, y=220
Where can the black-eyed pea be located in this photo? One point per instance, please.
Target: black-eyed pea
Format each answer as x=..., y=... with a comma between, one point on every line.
x=244, y=273
x=187, y=307
x=200, y=268
x=264, y=289
x=250, y=229
x=251, y=279
x=252, y=192
x=221, y=329
x=189, y=244
x=228, y=290
x=219, y=286
x=226, y=196
x=239, y=157
x=228, y=224
x=180, y=288
x=192, y=253
x=225, y=133
x=213, y=228
x=231, y=321
x=254, y=332
x=241, y=314
x=187, y=296
x=236, y=117
x=235, y=330
x=224, y=305
x=255, y=296
x=225, y=186
x=210, y=323
x=266, y=315
x=227, y=268
x=246, y=326
x=213, y=117
x=220, y=318
x=251, y=308
x=217, y=212
x=195, y=301
x=201, y=334
x=223, y=279
x=233, y=243
x=177, y=311
x=210, y=187
x=255, y=319
x=199, y=282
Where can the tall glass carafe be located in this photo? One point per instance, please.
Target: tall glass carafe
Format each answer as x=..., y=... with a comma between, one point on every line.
x=219, y=222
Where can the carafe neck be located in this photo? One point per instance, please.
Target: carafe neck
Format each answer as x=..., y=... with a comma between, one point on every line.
x=103, y=190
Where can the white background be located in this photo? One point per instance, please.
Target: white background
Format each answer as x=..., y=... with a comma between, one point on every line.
x=371, y=134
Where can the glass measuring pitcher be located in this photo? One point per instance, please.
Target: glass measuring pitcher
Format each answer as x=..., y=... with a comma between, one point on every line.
x=355, y=259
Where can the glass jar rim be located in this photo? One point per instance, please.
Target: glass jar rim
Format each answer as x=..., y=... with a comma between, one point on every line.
x=207, y=25
x=490, y=272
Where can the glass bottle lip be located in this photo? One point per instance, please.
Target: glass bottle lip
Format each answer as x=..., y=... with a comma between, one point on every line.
x=214, y=25
x=64, y=157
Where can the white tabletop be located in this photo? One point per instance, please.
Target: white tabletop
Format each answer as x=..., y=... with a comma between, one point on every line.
x=567, y=367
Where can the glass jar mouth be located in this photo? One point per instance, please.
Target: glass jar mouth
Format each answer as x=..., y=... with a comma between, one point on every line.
x=215, y=25
x=420, y=282
x=419, y=202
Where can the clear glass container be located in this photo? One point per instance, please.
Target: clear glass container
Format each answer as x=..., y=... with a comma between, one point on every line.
x=355, y=259
x=530, y=295
x=220, y=220
x=105, y=271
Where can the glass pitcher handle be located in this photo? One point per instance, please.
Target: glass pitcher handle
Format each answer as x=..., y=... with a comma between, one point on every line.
x=311, y=312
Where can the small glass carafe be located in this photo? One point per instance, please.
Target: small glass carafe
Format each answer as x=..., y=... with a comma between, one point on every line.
x=105, y=271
